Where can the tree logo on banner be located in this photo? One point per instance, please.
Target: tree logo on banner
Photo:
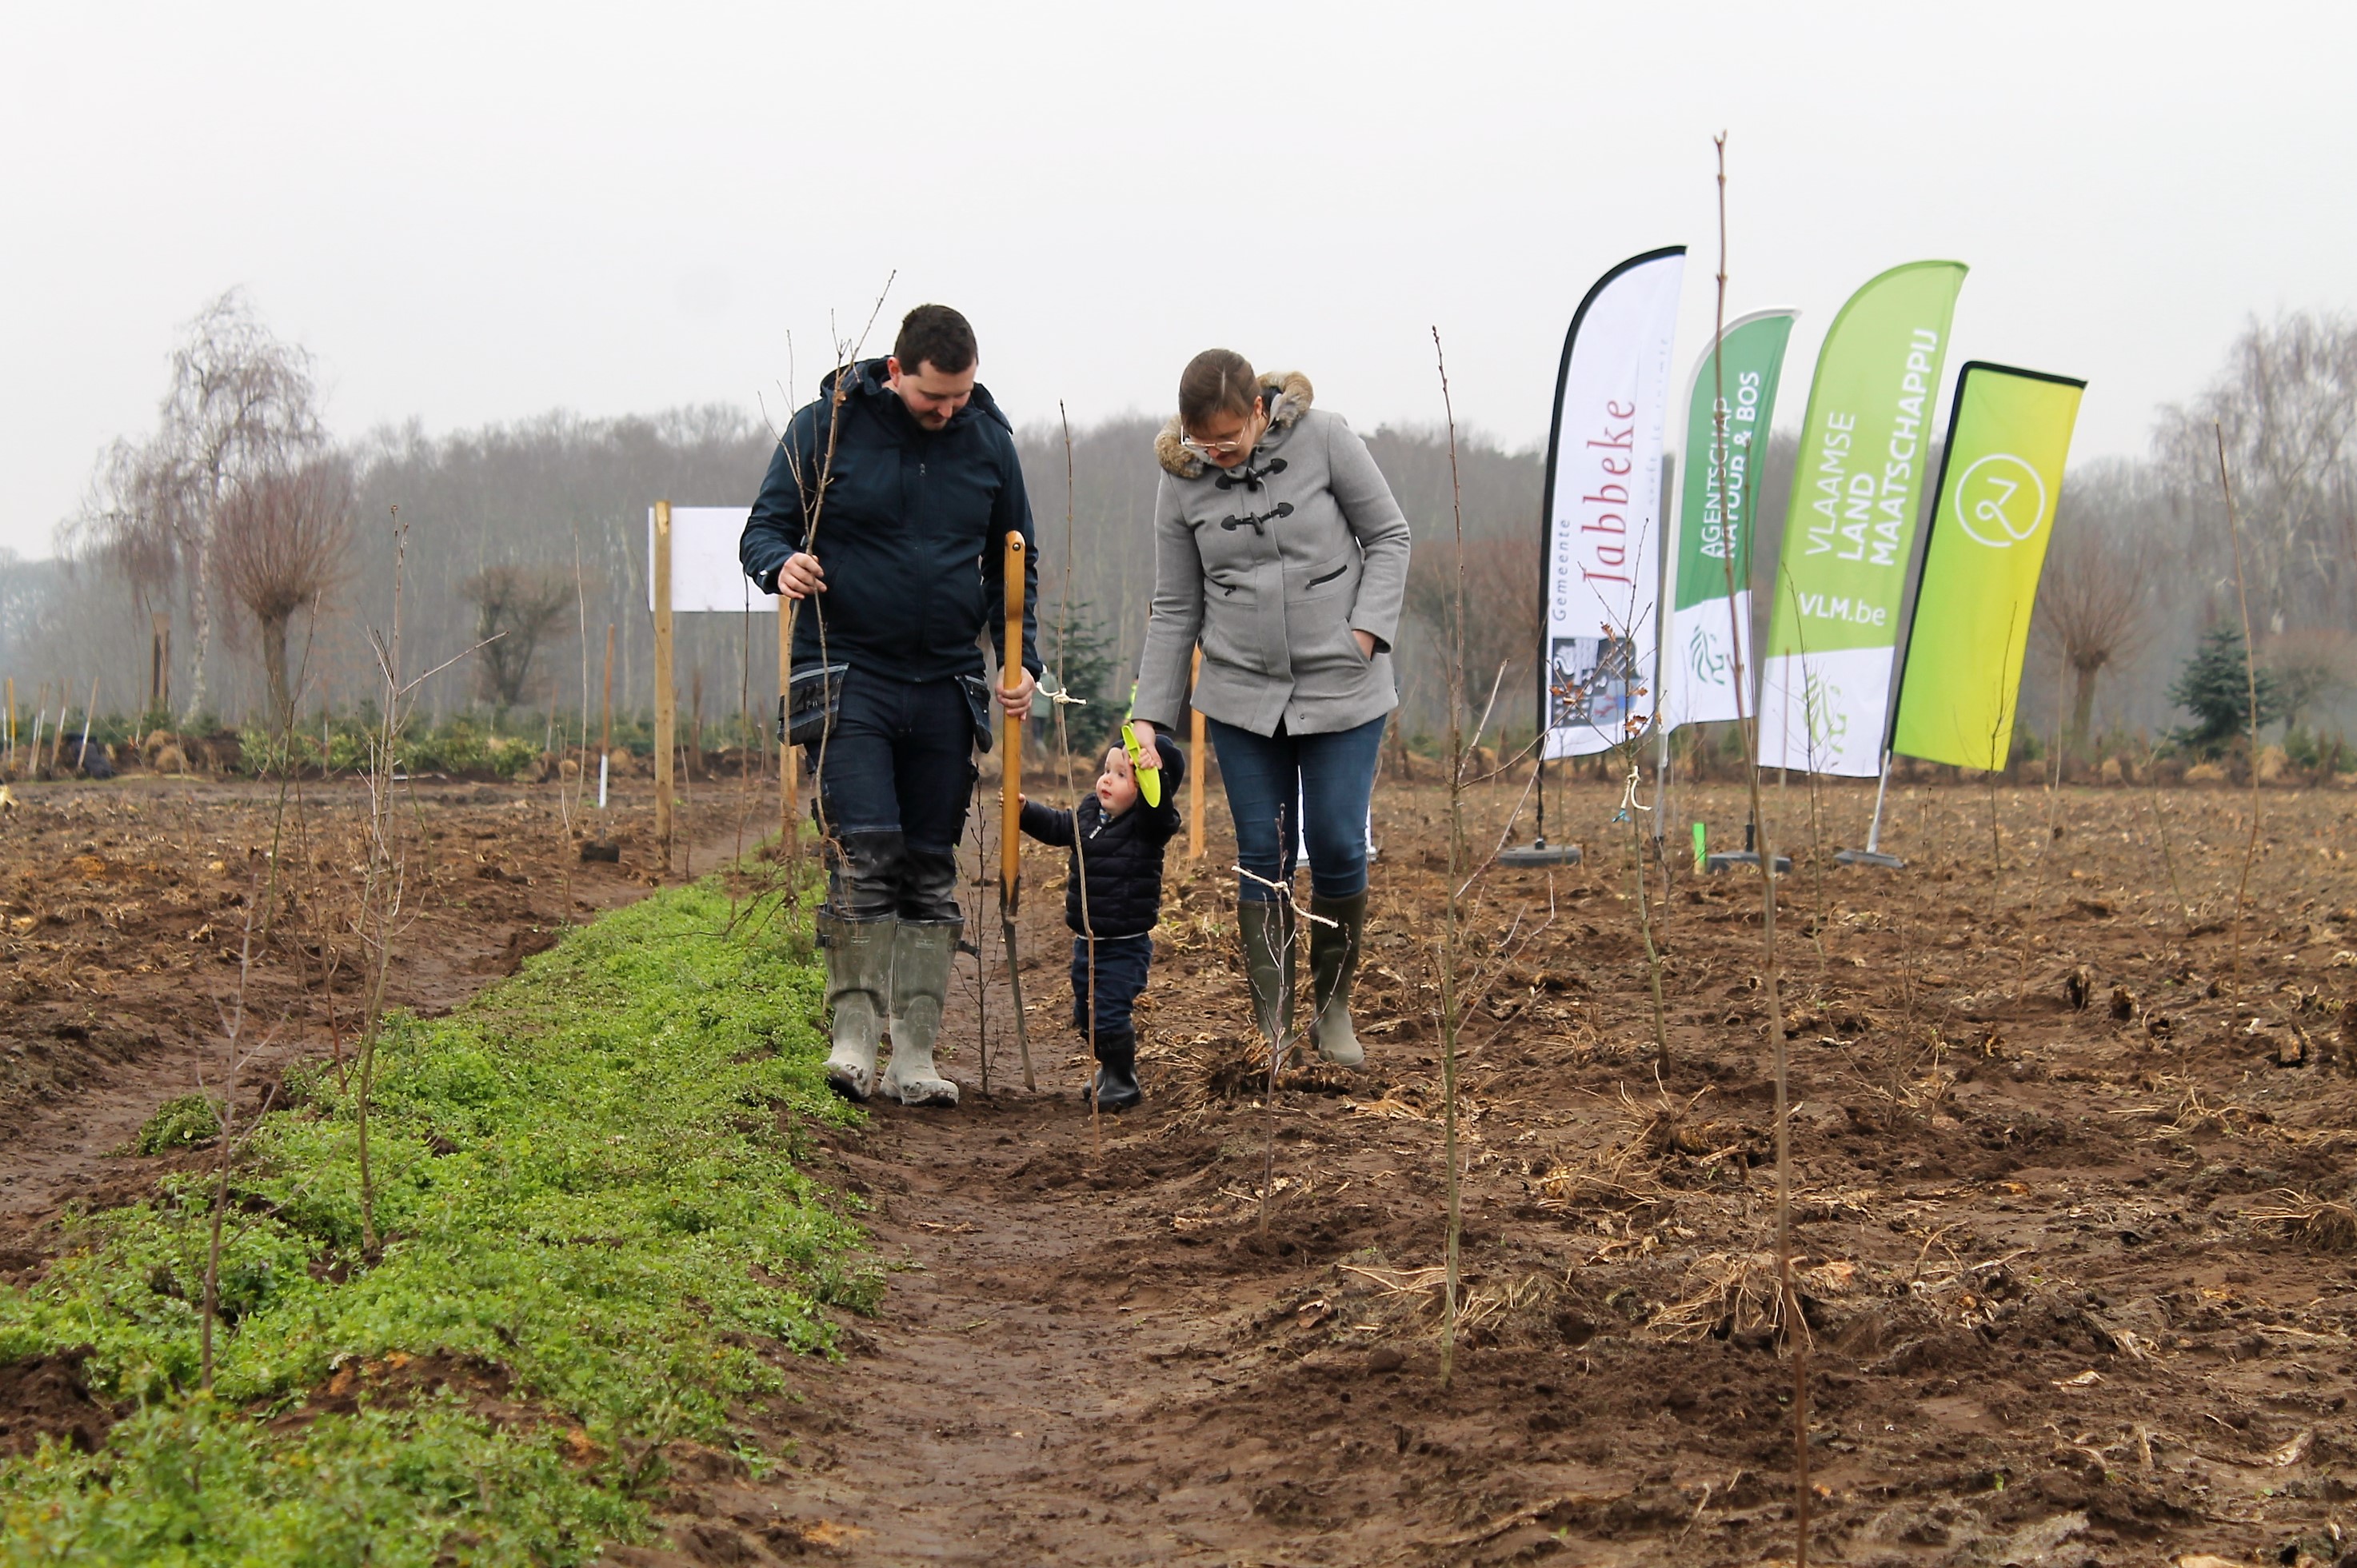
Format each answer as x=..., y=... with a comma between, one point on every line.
x=1706, y=659
x=1828, y=715
x=2000, y=501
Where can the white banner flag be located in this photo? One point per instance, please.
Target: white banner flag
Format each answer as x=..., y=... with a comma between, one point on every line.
x=1600, y=568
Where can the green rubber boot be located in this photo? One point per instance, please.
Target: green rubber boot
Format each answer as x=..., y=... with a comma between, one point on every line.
x=1267, y=930
x=923, y=952
x=1333, y=966
x=858, y=970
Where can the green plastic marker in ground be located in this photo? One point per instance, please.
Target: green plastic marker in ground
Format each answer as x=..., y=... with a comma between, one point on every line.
x=1699, y=856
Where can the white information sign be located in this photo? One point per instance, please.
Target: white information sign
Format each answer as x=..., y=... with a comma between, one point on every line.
x=706, y=574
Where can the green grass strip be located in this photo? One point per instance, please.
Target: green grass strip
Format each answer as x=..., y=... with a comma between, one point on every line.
x=595, y=1229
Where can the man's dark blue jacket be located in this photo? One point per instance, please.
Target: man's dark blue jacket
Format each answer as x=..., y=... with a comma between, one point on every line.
x=911, y=528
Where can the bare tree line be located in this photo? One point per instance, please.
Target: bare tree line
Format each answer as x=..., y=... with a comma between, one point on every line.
x=238, y=501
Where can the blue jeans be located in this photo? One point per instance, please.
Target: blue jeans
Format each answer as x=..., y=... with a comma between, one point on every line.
x=1326, y=779
x=1120, y=976
x=892, y=790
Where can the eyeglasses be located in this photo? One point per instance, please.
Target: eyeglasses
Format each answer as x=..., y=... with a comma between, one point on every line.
x=1213, y=449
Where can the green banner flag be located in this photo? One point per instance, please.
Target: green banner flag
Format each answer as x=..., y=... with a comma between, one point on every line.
x=1856, y=489
x=1705, y=640
x=1998, y=484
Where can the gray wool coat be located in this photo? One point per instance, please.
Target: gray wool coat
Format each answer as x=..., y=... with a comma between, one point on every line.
x=1270, y=566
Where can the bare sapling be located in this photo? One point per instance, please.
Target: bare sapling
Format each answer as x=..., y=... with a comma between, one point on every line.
x=260, y=911
x=383, y=911
x=2251, y=676
x=2000, y=721
x=1629, y=808
x=2045, y=848
x=2161, y=831
x=1452, y=940
x=1058, y=699
x=1788, y=1303
x=981, y=930
x=810, y=499
x=1633, y=727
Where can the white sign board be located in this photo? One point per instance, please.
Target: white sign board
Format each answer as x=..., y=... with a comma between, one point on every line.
x=706, y=574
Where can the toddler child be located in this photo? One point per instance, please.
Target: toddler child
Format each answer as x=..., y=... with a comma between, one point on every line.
x=1114, y=896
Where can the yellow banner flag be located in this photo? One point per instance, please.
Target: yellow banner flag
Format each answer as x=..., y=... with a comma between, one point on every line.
x=1999, y=482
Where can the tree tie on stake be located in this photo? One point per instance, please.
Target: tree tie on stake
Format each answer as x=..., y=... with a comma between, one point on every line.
x=1629, y=801
x=1285, y=890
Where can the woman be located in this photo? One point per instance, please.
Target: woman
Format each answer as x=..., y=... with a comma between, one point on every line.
x=1279, y=548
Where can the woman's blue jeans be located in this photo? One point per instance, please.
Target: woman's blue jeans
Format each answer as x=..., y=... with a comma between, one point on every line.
x=1325, y=780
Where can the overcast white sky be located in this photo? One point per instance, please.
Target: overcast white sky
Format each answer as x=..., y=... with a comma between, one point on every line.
x=480, y=213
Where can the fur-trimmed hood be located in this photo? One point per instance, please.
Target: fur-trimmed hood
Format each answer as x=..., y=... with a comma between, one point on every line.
x=1288, y=396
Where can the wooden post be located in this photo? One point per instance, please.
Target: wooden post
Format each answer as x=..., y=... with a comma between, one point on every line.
x=1195, y=765
x=666, y=705
x=11, y=721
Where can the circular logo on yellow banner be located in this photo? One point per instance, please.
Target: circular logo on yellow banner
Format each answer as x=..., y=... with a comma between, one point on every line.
x=2000, y=501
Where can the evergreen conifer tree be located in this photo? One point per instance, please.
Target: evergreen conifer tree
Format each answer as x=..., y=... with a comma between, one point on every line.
x=2216, y=687
x=1083, y=649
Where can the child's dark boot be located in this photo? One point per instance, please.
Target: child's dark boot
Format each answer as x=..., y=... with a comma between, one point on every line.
x=1116, y=1087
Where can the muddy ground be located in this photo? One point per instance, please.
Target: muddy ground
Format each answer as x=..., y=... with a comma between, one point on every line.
x=2076, y=1259
x=123, y=934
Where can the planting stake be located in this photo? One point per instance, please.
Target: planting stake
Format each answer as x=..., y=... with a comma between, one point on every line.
x=1195, y=774
x=1010, y=799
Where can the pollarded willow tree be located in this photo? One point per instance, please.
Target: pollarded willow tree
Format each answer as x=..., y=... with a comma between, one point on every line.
x=2094, y=600
x=284, y=541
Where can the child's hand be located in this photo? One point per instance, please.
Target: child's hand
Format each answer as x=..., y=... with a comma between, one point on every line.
x=1021, y=799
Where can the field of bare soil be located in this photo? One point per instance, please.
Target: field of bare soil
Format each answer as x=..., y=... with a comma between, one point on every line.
x=2073, y=1219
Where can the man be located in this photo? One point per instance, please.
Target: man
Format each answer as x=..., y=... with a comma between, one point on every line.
x=885, y=513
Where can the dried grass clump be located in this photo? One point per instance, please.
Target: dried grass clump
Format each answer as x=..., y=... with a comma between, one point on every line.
x=1527, y=1310
x=1724, y=1294
x=2312, y=1221
x=1211, y=1072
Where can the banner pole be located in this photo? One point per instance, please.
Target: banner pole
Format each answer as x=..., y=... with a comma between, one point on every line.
x=1874, y=829
x=1010, y=799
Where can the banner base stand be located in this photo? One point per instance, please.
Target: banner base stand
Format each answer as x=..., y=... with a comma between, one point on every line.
x=1868, y=857
x=1727, y=860
x=1538, y=852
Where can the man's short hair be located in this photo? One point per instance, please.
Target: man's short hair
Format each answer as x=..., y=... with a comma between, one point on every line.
x=937, y=336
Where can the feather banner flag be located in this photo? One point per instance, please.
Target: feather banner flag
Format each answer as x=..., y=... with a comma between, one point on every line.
x=1600, y=561
x=1857, y=486
x=2008, y=434
x=1707, y=639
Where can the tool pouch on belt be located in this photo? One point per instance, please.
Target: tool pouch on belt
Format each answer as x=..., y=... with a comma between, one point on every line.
x=813, y=695
x=977, y=703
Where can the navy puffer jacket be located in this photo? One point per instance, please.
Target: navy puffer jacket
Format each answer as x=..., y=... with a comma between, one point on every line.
x=1122, y=856
x=911, y=529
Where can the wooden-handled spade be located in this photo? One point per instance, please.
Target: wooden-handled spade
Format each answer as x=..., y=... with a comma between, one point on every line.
x=1010, y=797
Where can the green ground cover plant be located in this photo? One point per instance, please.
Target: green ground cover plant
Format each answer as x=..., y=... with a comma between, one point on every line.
x=596, y=1238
